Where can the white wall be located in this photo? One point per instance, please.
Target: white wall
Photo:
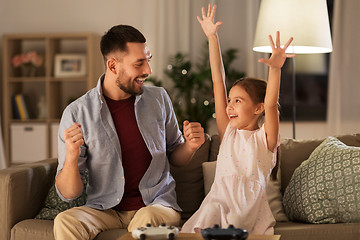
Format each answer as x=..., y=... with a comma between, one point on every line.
x=24, y=16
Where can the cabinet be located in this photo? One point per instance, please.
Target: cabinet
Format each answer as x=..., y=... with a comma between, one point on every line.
x=46, y=93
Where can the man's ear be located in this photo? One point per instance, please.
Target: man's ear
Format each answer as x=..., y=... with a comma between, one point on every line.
x=259, y=108
x=111, y=65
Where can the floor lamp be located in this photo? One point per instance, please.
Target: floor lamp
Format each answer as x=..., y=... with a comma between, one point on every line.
x=307, y=21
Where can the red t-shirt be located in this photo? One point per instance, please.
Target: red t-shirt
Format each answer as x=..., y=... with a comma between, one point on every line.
x=136, y=157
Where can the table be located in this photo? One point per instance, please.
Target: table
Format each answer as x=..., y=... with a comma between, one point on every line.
x=197, y=236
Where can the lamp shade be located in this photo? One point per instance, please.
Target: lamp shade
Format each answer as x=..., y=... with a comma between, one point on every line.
x=307, y=21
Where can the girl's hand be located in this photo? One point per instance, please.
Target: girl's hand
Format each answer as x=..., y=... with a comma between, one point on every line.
x=278, y=55
x=207, y=22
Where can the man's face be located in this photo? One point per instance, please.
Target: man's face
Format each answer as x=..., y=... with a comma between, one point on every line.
x=133, y=68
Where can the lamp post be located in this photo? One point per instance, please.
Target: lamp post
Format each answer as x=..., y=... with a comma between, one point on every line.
x=307, y=21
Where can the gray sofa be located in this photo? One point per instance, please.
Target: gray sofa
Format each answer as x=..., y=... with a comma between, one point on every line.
x=23, y=190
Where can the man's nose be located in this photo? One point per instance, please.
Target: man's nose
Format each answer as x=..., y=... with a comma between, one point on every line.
x=147, y=69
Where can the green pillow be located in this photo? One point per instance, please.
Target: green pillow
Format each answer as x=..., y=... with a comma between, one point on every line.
x=326, y=187
x=54, y=205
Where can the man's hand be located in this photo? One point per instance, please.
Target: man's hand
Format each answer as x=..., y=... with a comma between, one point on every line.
x=73, y=140
x=194, y=134
x=68, y=181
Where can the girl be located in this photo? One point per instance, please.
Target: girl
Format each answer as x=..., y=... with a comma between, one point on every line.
x=248, y=148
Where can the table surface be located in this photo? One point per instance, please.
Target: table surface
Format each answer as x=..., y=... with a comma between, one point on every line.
x=197, y=236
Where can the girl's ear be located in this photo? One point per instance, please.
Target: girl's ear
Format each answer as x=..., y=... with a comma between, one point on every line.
x=259, y=108
x=111, y=65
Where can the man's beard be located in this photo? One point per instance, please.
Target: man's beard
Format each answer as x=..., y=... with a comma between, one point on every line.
x=129, y=89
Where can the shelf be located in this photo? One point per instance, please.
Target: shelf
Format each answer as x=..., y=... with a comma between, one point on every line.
x=26, y=79
x=46, y=95
x=68, y=79
x=27, y=121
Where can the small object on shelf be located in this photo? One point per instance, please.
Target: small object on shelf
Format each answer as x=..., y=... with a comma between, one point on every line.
x=224, y=233
x=21, y=106
x=16, y=112
x=70, y=65
x=41, y=105
x=29, y=63
x=161, y=232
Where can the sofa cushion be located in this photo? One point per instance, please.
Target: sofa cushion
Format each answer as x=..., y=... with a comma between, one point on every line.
x=55, y=205
x=189, y=181
x=292, y=152
x=214, y=148
x=326, y=187
x=33, y=229
x=305, y=231
x=273, y=194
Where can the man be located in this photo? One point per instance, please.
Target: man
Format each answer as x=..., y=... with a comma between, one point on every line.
x=124, y=134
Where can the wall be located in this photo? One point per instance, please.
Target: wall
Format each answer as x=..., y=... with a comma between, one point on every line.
x=22, y=16
x=303, y=130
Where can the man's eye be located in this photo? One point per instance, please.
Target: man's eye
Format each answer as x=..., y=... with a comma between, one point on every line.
x=139, y=64
x=237, y=100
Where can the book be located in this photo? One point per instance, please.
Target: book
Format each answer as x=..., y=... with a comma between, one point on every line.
x=20, y=102
x=16, y=113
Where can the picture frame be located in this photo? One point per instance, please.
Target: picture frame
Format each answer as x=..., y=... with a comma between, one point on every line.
x=70, y=65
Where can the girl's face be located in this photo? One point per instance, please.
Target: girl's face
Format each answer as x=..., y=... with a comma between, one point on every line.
x=241, y=110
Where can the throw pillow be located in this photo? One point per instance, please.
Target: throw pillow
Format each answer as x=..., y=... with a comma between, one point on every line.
x=325, y=188
x=55, y=205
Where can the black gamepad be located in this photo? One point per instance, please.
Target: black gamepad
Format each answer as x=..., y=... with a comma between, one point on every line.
x=224, y=233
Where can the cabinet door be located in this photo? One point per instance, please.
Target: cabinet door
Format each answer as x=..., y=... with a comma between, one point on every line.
x=28, y=142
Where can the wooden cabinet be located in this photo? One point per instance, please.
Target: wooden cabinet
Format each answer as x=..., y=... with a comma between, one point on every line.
x=45, y=91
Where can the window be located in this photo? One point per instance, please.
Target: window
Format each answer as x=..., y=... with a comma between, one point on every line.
x=312, y=72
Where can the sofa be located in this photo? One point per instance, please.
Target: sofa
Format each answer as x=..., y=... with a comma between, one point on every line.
x=24, y=189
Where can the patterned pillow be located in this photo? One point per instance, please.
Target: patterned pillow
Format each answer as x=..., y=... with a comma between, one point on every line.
x=54, y=205
x=326, y=187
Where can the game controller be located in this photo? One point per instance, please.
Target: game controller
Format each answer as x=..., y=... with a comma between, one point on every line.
x=160, y=232
x=224, y=233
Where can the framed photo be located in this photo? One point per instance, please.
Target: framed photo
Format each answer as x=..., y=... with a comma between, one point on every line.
x=70, y=65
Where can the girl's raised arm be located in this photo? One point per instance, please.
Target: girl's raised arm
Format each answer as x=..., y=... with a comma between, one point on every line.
x=275, y=63
x=217, y=68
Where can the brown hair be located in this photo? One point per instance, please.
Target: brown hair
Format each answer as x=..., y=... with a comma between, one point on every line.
x=117, y=38
x=256, y=88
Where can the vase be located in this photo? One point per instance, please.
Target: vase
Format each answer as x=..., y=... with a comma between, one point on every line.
x=28, y=71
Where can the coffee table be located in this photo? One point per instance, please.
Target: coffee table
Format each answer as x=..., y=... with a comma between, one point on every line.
x=197, y=236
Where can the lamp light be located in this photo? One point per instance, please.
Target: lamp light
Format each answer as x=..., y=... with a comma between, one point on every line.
x=307, y=21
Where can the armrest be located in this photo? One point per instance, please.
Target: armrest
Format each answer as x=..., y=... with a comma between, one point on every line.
x=23, y=189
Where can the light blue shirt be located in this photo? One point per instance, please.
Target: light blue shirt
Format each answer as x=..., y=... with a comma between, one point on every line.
x=101, y=152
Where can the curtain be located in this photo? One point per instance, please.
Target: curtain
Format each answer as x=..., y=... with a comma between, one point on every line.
x=167, y=26
x=344, y=76
x=171, y=26
x=2, y=153
x=253, y=68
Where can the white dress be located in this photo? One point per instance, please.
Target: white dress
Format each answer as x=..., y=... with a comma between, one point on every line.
x=238, y=194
